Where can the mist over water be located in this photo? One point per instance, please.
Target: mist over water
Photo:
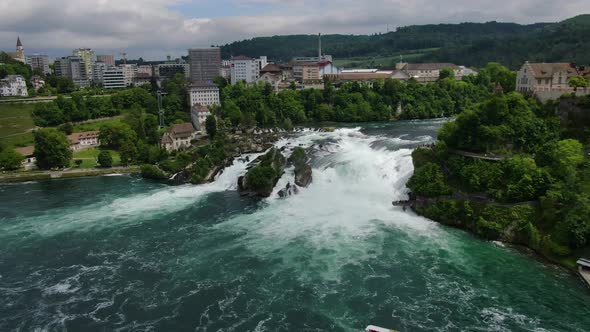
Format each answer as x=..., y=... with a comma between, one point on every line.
x=121, y=253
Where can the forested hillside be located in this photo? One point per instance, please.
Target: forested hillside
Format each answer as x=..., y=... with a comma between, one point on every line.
x=472, y=44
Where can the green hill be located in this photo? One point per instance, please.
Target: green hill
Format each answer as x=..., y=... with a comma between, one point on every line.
x=472, y=44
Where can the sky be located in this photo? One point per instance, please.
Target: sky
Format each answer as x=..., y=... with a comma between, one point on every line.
x=156, y=28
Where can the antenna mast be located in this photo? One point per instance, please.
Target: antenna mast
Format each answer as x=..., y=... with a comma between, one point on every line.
x=320, y=47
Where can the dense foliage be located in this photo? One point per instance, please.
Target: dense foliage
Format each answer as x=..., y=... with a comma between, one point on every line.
x=52, y=149
x=248, y=106
x=10, y=160
x=471, y=44
x=537, y=189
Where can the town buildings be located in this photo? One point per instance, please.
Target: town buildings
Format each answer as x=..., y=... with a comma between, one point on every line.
x=204, y=94
x=106, y=58
x=427, y=72
x=98, y=71
x=178, y=137
x=74, y=68
x=243, y=68
x=88, y=56
x=199, y=114
x=550, y=80
x=205, y=64
x=129, y=71
x=545, y=77
x=39, y=62
x=13, y=86
x=166, y=71
x=113, y=78
x=38, y=82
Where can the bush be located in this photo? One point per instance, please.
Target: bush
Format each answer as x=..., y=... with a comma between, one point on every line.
x=105, y=159
x=261, y=178
x=10, y=160
x=152, y=172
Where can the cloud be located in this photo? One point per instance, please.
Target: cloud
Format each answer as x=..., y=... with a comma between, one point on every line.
x=153, y=28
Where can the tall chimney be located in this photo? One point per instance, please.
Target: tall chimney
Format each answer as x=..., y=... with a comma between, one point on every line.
x=320, y=47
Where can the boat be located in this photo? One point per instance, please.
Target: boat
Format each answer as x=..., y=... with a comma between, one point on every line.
x=373, y=328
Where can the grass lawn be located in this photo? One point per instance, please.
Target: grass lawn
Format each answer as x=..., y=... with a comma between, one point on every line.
x=16, y=123
x=95, y=126
x=89, y=157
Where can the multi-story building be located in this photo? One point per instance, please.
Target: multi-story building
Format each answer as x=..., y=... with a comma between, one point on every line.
x=89, y=58
x=130, y=72
x=243, y=68
x=533, y=78
x=19, y=55
x=113, y=78
x=106, y=58
x=74, y=68
x=13, y=85
x=304, y=71
x=428, y=72
x=226, y=70
x=83, y=140
x=199, y=114
x=205, y=64
x=204, y=94
x=178, y=137
x=169, y=70
x=98, y=71
x=145, y=69
x=40, y=62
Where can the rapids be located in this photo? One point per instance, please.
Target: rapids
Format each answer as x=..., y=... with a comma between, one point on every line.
x=122, y=253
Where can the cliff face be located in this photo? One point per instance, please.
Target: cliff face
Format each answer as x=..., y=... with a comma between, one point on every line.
x=574, y=115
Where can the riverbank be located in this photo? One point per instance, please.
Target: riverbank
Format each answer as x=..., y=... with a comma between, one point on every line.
x=14, y=177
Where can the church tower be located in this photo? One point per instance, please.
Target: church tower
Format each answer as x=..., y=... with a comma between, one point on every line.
x=20, y=51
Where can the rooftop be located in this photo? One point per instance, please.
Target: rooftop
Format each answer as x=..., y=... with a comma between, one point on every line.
x=26, y=151
x=181, y=130
x=75, y=138
x=546, y=70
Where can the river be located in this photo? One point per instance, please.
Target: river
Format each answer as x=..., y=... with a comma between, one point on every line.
x=122, y=253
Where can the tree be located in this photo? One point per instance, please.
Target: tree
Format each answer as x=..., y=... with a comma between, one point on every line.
x=211, y=126
x=113, y=135
x=105, y=159
x=52, y=149
x=66, y=128
x=128, y=152
x=10, y=160
x=446, y=73
x=578, y=82
x=78, y=162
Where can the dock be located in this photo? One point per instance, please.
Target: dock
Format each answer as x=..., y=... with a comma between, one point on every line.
x=584, y=270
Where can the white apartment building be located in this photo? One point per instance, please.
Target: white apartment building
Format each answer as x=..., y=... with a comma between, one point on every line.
x=130, y=72
x=199, y=114
x=13, y=85
x=246, y=69
x=99, y=69
x=113, y=78
x=145, y=70
x=204, y=94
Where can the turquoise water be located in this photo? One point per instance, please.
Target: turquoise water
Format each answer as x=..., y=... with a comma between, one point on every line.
x=122, y=253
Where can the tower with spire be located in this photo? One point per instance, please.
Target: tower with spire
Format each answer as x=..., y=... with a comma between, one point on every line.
x=20, y=51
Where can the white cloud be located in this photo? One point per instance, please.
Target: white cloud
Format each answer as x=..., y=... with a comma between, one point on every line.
x=151, y=27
